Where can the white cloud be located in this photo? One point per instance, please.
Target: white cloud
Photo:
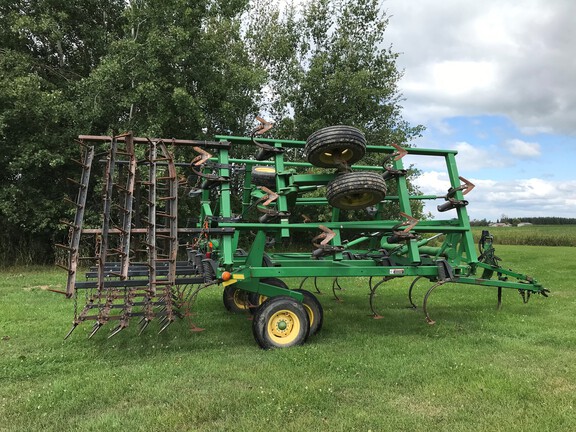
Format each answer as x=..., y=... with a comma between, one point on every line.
x=515, y=198
x=469, y=158
x=499, y=57
x=522, y=149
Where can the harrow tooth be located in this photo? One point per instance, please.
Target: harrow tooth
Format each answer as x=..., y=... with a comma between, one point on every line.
x=71, y=330
x=143, y=326
x=166, y=325
x=95, y=329
x=117, y=330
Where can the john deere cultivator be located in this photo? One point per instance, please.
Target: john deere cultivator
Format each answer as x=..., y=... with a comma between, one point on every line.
x=149, y=266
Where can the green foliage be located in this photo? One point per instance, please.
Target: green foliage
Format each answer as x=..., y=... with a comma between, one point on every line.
x=46, y=47
x=329, y=65
x=177, y=68
x=180, y=67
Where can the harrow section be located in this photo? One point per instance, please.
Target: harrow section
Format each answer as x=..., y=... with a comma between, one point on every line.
x=148, y=266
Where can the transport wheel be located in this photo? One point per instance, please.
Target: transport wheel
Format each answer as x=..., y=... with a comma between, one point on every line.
x=327, y=146
x=356, y=190
x=256, y=299
x=235, y=299
x=280, y=322
x=314, y=310
x=264, y=176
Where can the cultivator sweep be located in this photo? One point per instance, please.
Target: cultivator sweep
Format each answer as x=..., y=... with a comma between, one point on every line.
x=148, y=265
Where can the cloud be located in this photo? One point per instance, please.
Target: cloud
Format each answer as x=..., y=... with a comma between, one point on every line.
x=498, y=57
x=469, y=158
x=490, y=199
x=523, y=149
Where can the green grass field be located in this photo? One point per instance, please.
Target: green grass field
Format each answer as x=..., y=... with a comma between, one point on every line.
x=535, y=235
x=477, y=369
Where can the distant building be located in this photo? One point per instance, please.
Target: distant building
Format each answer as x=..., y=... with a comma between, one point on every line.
x=500, y=224
x=521, y=224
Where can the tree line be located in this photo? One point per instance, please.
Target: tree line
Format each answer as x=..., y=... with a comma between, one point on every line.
x=176, y=68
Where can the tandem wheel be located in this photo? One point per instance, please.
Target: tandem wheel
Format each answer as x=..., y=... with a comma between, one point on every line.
x=280, y=322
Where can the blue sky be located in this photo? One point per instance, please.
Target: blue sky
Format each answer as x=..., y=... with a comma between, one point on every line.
x=495, y=80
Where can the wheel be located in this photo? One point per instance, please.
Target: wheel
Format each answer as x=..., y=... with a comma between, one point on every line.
x=256, y=299
x=235, y=299
x=356, y=190
x=264, y=176
x=314, y=310
x=325, y=147
x=280, y=322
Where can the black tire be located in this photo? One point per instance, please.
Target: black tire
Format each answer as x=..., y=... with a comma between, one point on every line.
x=256, y=299
x=280, y=322
x=356, y=190
x=235, y=299
x=344, y=142
x=314, y=310
x=264, y=176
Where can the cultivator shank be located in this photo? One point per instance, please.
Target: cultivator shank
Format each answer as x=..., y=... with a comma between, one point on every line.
x=148, y=265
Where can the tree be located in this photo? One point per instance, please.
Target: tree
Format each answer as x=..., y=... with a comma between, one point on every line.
x=46, y=47
x=328, y=63
x=179, y=68
x=69, y=67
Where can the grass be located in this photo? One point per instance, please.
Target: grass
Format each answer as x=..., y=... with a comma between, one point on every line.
x=533, y=235
x=477, y=369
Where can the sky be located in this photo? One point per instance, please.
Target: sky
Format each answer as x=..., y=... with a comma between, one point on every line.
x=495, y=80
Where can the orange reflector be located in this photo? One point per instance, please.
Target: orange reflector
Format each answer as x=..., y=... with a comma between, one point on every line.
x=226, y=276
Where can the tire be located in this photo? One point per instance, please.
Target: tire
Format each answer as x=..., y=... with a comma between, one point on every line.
x=256, y=299
x=264, y=176
x=280, y=322
x=356, y=190
x=346, y=142
x=235, y=299
x=314, y=310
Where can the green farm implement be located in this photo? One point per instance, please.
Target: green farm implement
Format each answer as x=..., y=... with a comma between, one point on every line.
x=142, y=260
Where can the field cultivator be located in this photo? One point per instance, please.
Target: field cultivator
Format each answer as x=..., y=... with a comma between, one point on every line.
x=149, y=265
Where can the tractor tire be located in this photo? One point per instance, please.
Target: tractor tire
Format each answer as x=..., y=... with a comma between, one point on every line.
x=263, y=175
x=235, y=300
x=314, y=310
x=328, y=145
x=356, y=190
x=280, y=322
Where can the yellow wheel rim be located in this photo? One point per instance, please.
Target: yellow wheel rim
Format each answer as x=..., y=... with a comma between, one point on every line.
x=283, y=327
x=356, y=200
x=329, y=157
x=265, y=169
x=310, y=313
x=240, y=299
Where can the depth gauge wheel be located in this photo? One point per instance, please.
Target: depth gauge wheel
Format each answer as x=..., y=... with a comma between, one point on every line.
x=314, y=310
x=235, y=300
x=327, y=146
x=356, y=190
x=280, y=322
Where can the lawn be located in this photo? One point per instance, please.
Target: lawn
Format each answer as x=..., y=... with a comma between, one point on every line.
x=477, y=369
